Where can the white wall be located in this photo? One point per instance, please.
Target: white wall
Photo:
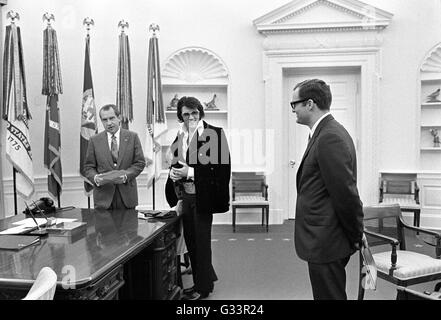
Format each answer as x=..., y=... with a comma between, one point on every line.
x=223, y=26
x=415, y=29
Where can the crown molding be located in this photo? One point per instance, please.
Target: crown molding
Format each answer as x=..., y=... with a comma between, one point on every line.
x=353, y=15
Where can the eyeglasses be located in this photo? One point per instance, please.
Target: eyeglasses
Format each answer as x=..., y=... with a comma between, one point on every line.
x=293, y=103
x=194, y=114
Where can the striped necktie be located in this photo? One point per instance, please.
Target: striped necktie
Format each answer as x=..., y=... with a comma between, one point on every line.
x=114, y=149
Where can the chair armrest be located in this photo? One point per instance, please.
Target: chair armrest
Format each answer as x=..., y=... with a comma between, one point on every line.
x=429, y=232
x=392, y=241
x=436, y=235
x=266, y=191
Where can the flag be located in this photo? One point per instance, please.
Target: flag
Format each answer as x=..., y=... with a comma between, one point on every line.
x=16, y=113
x=89, y=125
x=156, y=121
x=124, y=101
x=52, y=87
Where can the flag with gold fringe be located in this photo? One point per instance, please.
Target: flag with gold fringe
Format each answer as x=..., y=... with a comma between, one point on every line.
x=89, y=126
x=124, y=101
x=156, y=121
x=52, y=87
x=16, y=113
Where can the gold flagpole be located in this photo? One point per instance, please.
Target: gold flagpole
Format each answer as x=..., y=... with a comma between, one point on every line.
x=88, y=22
x=12, y=15
x=154, y=28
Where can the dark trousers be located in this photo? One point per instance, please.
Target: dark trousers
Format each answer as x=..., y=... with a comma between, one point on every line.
x=197, y=235
x=117, y=201
x=328, y=280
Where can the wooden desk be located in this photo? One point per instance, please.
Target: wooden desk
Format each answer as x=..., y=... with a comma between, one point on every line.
x=99, y=262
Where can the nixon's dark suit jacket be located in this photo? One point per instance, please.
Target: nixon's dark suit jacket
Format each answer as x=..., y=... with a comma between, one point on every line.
x=212, y=170
x=329, y=213
x=130, y=159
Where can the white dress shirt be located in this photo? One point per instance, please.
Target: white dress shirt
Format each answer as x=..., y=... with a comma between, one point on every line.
x=109, y=139
x=314, y=127
x=186, y=142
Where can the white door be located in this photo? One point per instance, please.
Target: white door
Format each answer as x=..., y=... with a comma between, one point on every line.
x=344, y=83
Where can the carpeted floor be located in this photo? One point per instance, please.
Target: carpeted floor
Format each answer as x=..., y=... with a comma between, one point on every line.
x=254, y=265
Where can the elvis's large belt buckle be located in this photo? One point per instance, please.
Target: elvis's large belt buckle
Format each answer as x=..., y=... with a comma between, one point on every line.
x=189, y=187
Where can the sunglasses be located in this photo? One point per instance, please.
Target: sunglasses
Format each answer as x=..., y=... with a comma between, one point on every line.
x=293, y=103
x=194, y=114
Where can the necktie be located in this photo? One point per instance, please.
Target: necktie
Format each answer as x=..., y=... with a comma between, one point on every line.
x=114, y=149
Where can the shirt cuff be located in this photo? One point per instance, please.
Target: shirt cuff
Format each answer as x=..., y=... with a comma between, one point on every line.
x=94, y=179
x=190, y=173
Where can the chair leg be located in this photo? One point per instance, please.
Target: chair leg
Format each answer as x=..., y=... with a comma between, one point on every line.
x=263, y=216
x=234, y=219
x=401, y=295
x=267, y=218
x=416, y=219
x=179, y=274
x=362, y=275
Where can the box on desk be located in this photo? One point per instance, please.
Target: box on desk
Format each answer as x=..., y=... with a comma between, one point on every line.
x=67, y=229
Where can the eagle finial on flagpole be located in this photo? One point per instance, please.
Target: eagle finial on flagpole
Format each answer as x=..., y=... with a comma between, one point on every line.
x=88, y=22
x=154, y=28
x=48, y=17
x=123, y=25
x=13, y=16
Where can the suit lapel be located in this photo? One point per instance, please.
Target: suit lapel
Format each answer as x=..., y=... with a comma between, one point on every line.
x=123, y=142
x=104, y=142
x=321, y=125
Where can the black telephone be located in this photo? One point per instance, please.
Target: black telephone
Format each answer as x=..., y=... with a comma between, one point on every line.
x=44, y=204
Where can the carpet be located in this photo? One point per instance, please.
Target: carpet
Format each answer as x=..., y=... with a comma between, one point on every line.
x=252, y=264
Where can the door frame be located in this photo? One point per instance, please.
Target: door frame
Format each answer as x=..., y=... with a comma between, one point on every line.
x=277, y=116
x=295, y=130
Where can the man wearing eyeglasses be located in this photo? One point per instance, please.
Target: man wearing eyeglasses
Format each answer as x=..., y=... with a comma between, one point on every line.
x=199, y=177
x=329, y=212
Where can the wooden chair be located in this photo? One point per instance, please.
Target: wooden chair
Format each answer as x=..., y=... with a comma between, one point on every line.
x=403, y=192
x=383, y=224
x=250, y=191
x=44, y=286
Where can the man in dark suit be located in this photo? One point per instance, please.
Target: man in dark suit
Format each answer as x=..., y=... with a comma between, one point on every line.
x=114, y=159
x=200, y=177
x=329, y=213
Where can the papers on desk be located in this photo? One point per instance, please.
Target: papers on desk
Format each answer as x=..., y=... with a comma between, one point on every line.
x=31, y=223
x=27, y=225
x=18, y=230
